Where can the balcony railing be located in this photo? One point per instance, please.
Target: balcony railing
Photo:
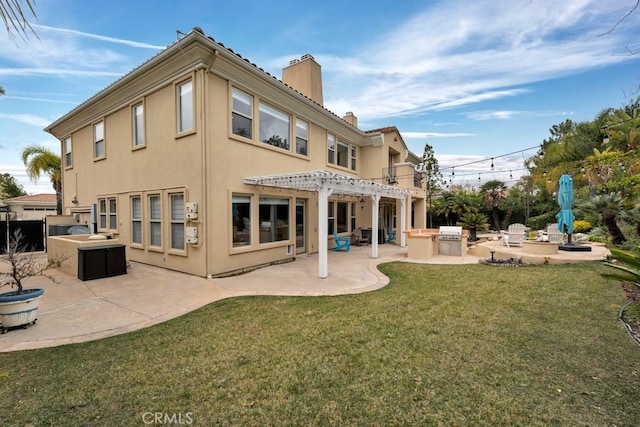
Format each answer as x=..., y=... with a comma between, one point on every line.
x=390, y=176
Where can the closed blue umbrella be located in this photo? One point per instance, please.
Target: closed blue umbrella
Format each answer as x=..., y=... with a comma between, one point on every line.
x=565, y=199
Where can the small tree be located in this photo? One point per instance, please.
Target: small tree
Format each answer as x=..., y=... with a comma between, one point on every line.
x=429, y=166
x=474, y=221
x=25, y=264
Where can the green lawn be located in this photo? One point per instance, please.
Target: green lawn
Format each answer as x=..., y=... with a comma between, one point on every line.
x=440, y=345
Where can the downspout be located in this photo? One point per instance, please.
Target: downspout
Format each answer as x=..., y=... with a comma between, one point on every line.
x=203, y=165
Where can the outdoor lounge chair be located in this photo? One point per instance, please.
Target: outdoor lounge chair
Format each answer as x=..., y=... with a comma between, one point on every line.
x=391, y=235
x=342, y=243
x=359, y=238
x=515, y=235
x=554, y=235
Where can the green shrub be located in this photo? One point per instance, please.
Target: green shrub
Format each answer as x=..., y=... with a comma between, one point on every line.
x=581, y=226
x=540, y=222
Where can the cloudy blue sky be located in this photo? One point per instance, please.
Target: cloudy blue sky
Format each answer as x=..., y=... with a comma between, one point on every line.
x=475, y=79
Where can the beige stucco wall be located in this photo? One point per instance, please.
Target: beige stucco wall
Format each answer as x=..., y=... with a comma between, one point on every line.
x=207, y=165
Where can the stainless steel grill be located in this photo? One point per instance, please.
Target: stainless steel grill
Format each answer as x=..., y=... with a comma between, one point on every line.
x=450, y=241
x=450, y=233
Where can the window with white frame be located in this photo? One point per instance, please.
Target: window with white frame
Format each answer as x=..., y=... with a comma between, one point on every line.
x=241, y=214
x=353, y=157
x=343, y=154
x=137, y=113
x=342, y=216
x=242, y=114
x=302, y=137
x=275, y=126
x=68, y=154
x=107, y=212
x=136, y=220
x=155, y=221
x=353, y=216
x=98, y=140
x=273, y=219
x=176, y=202
x=331, y=221
x=331, y=148
x=102, y=213
x=184, y=94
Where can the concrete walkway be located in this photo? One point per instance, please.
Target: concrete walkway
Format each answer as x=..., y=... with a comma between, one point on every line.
x=74, y=311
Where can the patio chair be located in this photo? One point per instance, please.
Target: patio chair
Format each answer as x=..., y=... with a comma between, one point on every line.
x=515, y=235
x=342, y=243
x=391, y=235
x=359, y=238
x=554, y=235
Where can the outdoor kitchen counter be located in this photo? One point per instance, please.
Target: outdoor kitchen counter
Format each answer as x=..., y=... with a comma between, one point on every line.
x=422, y=243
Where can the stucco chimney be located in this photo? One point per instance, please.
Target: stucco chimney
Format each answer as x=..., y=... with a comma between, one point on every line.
x=305, y=76
x=351, y=119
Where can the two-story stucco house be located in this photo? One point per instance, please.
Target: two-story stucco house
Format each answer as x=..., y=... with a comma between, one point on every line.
x=201, y=162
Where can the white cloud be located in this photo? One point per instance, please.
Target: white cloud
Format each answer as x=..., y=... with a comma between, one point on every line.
x=27, y=119
x=458, y=53
x=131, y=43
x=423, y=135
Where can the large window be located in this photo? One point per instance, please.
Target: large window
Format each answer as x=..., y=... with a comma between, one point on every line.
x=241, y=214
x=176, y=202
x=343, y=154
x=68, y=155
x=331, y=148
x=242, y=114
x=137, y=113
x=343, y=217
x=184, y=94
x=155, y=221
x=107, y=212
x=275, y=127
x=136, y=220
x=302, y=137
x=274, y=219
x=98, y=140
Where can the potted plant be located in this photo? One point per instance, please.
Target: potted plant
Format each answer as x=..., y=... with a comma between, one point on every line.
x=19, y=306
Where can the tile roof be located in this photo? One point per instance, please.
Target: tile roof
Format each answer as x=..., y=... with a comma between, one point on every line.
x=34, y=198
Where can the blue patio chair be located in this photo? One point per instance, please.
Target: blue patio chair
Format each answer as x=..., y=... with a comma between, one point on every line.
x=342, y=243
x=391, y=235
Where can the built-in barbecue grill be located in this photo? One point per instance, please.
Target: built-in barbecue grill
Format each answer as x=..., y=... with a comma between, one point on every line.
x=450, y=240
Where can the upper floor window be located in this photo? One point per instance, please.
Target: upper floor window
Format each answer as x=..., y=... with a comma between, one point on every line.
x=138, y=124
x=343, y=154
x=331, y=148
x=275, y=127
x=302, y=137
x=98, y=140
x=184, y=94
x=68, y=156
x=353, y=157
x=242, y=114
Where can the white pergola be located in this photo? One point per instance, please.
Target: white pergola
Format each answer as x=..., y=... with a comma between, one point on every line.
x=326, y=183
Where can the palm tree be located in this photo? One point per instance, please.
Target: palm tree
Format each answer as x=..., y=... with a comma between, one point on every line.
x=13, y=15
x=40, y=160
x=474, y=221
x=493, y=192
x=610, y=206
